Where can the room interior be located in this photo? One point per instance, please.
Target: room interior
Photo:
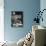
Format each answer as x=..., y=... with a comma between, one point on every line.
x=16, y=35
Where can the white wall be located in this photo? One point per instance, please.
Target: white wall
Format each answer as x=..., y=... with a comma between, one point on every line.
x=43, y=6
x=1, y=21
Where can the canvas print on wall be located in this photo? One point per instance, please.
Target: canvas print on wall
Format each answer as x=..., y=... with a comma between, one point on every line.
x=16, y=19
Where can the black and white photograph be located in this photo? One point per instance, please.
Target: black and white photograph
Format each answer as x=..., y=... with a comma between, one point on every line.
x=16, y=19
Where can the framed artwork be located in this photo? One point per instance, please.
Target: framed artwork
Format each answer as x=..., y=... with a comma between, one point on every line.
x=16, y=18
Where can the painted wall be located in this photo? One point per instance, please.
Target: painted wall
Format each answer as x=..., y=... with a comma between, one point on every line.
x=29, y=7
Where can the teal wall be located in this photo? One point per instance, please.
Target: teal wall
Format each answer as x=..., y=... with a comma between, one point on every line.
x=29, y=7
